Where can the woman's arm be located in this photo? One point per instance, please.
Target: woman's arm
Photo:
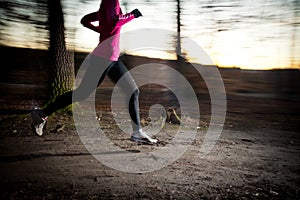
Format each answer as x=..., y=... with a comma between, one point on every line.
x=87, y=20
x=117, y=15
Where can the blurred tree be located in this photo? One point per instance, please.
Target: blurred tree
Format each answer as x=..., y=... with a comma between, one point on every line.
x=18, y=16
x=178, y=42
x=37, y=18
x=179, y=54
x=62, y=74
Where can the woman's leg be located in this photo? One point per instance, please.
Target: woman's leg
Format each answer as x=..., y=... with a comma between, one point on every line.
x=130, y=88
x=96, y=67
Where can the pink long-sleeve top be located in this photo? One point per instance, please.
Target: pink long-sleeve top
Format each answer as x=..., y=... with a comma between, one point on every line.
x=111, y=19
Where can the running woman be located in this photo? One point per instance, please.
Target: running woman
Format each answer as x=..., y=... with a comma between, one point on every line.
x=104, y=60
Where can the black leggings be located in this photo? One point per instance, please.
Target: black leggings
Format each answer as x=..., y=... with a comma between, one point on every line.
x=90, y=81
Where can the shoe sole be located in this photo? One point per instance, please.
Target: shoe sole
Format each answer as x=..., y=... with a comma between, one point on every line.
x=142, y=140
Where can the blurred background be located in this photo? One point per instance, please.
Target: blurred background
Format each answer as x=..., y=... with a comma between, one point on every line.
x=259, y=34
x=256, y=47
x=255, y=44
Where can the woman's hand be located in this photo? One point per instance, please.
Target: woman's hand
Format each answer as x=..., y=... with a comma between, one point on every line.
x=136, y=13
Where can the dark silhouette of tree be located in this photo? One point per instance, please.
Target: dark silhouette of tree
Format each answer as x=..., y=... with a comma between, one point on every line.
x=178, y=42
x=62, y=73
x=41, y=18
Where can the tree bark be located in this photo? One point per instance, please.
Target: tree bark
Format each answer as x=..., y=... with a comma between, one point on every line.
x=62, y=61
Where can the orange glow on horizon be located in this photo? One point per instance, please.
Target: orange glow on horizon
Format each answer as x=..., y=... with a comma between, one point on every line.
x=167, y=56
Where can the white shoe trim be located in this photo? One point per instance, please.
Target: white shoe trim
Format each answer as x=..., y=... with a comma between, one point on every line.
x=141, y=136
x=39, y=127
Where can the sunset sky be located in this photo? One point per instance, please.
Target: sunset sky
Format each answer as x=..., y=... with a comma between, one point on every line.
x=250, y=34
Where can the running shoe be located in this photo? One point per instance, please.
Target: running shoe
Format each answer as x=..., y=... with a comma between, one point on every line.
x=39, y=120
x=142, y=137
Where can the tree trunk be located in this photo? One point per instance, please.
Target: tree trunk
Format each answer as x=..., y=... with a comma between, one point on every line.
x=180, y=55
x=178, y=46
x=62, y=61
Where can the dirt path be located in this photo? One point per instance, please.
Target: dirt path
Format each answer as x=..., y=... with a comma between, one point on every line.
x=248, y=164
x=256, y=157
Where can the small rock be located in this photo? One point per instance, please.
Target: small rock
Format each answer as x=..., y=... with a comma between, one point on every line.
x=61, y=128
x=58, y=128
x=247, y=140
x=274, y=193
x=256, y=194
